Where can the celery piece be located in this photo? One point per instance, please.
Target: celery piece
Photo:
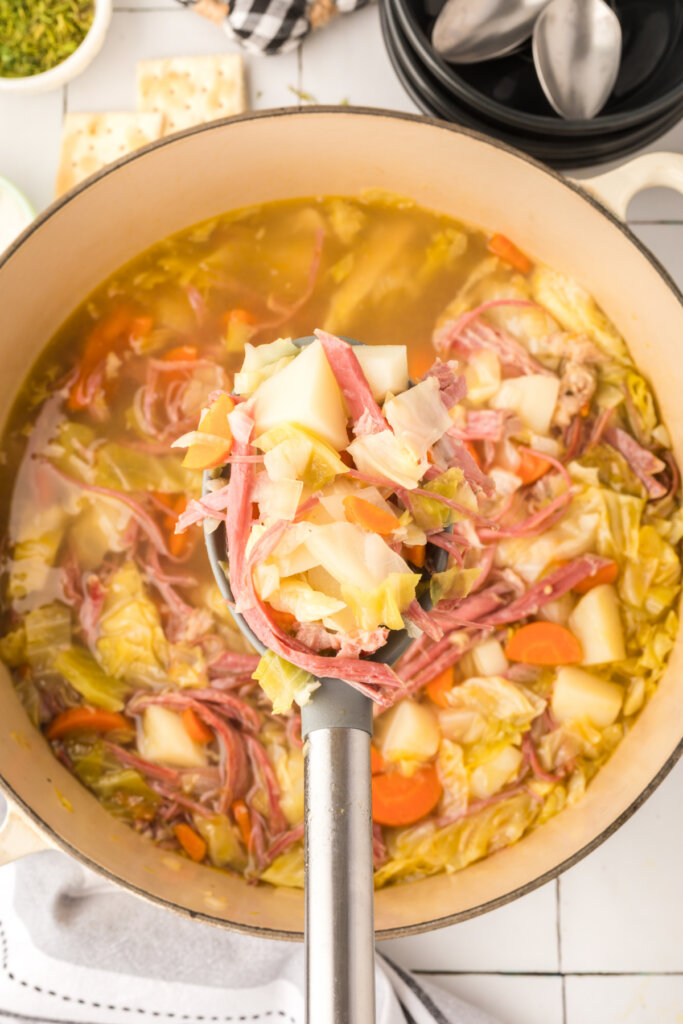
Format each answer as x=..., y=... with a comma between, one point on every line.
x=284, y=683
x=80, y=669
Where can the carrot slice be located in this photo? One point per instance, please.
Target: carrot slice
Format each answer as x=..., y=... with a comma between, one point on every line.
x=110, y=334
x=531, y=466
x=399, y=799
x=370, y=517
x=181, y=354
x=437, y=688
x=206, y=455
x=241, y=815
x=376, y=760
x=473, y=452
x=544, y=643
x=191, y=842
x=420, y=359
x=85, y=717
x=285, y=620
x=607, y=574
x=501, y=246
x=195, y=728
x=238, y=316
x=178, y=543
x=415, y=553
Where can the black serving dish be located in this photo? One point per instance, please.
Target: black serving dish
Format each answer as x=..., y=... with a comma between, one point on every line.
x=571, y=144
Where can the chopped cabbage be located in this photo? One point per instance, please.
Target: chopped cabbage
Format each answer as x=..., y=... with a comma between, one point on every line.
x=497, y=698
x=353, y=556
x=427, y=849
x=296, y=596
x=48, y=631
x=656, y=565
x=223, y=845
x=432, y=514
x=284, y=683
x=383, y=454
x=450, y=764
x=287, y=869
x=288, y=763
x=576, y=309
x=296, y=453
x=418, y=416
x=277, y=499
x=81, y=671
x=261, y=362
x=452, y=584
x=131, y=643
x=383, y=605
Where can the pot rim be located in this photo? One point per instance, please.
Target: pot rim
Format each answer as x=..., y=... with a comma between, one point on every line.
x=574, y=186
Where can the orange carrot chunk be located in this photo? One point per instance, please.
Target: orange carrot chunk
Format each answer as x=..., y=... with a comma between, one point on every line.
x=210, y=453
x=84, y=717
x=241, y=815
x=181, y=354
x=370, y=517
x=544, y=643
x=399, y=799
x=437, y=688
x=376, y=760
x=501, y=246
x=469, y=447
x=531, y=466
x=191, y=842
x=195, y=728
x=607, y=574
x=420, y=359
x=416, y=554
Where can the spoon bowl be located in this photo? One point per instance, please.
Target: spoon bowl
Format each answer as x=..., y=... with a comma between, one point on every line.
x=469, y=31
x=577, y=53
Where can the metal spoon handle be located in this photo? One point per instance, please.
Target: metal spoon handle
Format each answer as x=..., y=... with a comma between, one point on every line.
x=340, y=939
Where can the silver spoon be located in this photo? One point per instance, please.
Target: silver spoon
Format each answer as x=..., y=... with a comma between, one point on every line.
x=577, y=52
x=468, y=31
x=336, y=726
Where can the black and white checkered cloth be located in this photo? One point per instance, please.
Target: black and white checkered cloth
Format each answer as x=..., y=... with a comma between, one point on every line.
x=275, y=26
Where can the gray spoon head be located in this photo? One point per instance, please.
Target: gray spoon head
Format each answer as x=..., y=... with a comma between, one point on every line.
x=577, y=53
x=469, y=31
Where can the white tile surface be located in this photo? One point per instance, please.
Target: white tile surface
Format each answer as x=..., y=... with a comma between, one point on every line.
x=347, y=63
x=513, y=999
x=30, y=129
x=625, y=1000
x=521, y=936
x=621, y=907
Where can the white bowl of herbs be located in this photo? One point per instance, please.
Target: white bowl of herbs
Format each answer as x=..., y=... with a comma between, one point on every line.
x=45, y=43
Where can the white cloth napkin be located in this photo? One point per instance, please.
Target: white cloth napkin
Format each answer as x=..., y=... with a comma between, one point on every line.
x=76, y=949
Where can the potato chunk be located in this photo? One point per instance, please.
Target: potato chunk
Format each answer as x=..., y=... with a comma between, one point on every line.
x=533, y=397
x=596, y=623
x=488, y=778
x=489, y=659
x=578, y=694
x=385, y=368
x=407, y=732
x=304, y=392
x=165, y=740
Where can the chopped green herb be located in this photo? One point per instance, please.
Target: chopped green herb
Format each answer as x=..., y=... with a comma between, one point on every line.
x=35, y=35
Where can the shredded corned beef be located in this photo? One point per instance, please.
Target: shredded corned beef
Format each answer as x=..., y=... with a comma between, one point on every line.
x=363, y=409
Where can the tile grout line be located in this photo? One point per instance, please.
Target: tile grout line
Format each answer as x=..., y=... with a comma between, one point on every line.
x=545, y=974
x=558, y=934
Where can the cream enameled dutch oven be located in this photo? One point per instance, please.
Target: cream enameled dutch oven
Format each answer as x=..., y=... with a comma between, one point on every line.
x=185, y=178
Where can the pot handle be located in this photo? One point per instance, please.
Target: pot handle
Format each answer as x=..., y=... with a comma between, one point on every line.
x=616, y=188
x=19, y=837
